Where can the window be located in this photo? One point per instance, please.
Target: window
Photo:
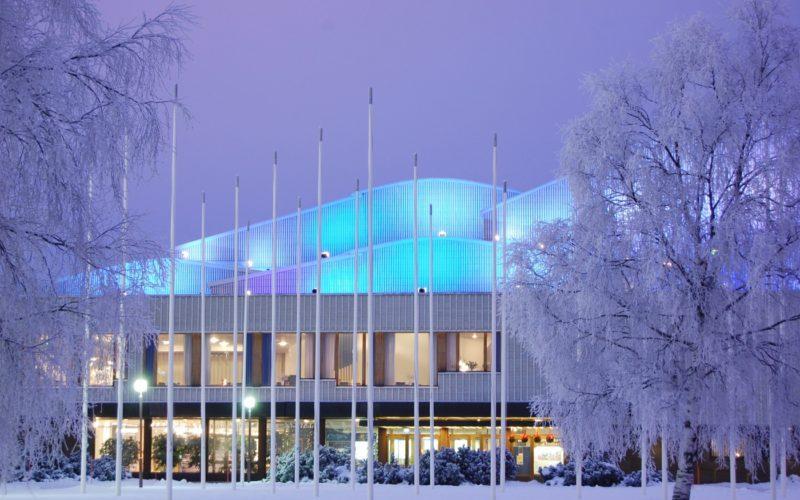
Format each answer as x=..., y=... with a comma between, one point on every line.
x=286, y=358
x=101, y=363
x=186, y=444
x=344, y=359
x=105, y=434
x=220, y=349
x=463, y=352
x=337, y=435
x=474, y=352
x=400, y=359
x=162, y=359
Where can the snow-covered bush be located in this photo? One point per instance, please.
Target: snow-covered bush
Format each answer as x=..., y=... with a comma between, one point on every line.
x=653, y=476
x=595, y=473
x=475, y=465
x=104, y=469
x=334, y=466
x=446, y=468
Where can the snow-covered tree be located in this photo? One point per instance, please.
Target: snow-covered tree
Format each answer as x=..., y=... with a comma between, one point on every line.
x=667, y=305
x=82, y=110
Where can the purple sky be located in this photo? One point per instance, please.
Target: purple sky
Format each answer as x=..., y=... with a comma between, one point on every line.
x=266, y=75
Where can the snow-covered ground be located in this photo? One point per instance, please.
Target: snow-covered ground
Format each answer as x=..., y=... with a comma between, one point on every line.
x=68, y=489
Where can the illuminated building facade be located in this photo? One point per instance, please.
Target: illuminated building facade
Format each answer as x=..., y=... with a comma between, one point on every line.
x=462, y=249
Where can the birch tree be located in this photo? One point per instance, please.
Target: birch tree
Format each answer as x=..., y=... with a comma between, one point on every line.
x=78, y=102
x=667, y=304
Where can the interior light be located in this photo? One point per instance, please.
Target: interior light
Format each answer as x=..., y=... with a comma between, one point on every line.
x=541, y=246
x=213, y=340
x=496, y=237
x=442, y=233
x=248, y=292
x=184, y=254
x=474, y=335
x=249, y=263
x=165, y=342
x=282, y=343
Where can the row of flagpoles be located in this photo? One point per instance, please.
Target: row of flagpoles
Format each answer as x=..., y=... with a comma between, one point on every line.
x=238, y=449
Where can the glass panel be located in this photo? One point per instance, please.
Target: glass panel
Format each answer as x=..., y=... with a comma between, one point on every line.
x=344, y=359
x=337, y=435
x=186, y=444
x=162, y=359
x=105, y=433
x=101, y=363
x=221, y=358
x=219, y=446
x=426, y=444
x=404, y=359
x=472, y=350
x=285, y=359
x=398, y=450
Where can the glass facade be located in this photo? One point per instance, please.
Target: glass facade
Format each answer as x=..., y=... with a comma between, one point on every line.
x=162, y=360
x=105, y=433
x=220, y=350
x=186, y=444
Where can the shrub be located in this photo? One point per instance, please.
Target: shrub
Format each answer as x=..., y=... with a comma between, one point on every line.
x=476, y=464
x=104, y=469
x=653, y=476
x=160, y=451
x=130, y=450
x=595, y=473
x=334, y=466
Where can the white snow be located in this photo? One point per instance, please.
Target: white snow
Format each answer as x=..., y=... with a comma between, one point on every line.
x=68, y=489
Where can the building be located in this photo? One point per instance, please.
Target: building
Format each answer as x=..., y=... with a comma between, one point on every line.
x=462, y=260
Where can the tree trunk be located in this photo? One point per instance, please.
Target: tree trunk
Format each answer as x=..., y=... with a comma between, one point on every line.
x=685, y=476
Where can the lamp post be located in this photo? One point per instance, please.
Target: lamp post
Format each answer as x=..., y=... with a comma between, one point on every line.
x=140, y=386
x=249, y=403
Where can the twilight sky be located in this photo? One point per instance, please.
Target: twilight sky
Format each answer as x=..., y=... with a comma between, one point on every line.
x=266, y=74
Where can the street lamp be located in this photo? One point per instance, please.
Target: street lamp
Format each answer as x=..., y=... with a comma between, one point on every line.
x=249, y=403
x=140, y=386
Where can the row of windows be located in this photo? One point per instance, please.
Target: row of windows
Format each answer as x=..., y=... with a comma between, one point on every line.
x=394, y=366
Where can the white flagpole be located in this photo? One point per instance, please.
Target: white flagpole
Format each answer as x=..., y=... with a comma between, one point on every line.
x=353, y=424
x=416, y=336
x=493, y=372
x=784, y=477
x=203, y=353
x=298, y=340
x=274, y=332
x=431, y=346
x=171, y=335
x=664, y=466
x=503, y=351
x=317, y=332
x=86, y=356
x=370, y=319
x=235, y=357
x=644, y=455
x=242, y=447
x=121, y=337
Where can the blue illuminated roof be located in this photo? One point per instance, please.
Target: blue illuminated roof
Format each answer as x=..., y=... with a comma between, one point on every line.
x=461, y=242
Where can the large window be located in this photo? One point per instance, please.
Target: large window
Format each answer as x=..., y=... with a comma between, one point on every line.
x=220, y=349
x=344, y=359
x=162, y=359
x=185, y=446
x=286, y=358
x=464, y=352
x=105, y=435
x=102, y=360
x=400, y=359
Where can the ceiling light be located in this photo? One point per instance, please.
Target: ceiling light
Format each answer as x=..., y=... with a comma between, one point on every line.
x=282, y=343
x=184, y=254
x=442, y=233
x=213, y=340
